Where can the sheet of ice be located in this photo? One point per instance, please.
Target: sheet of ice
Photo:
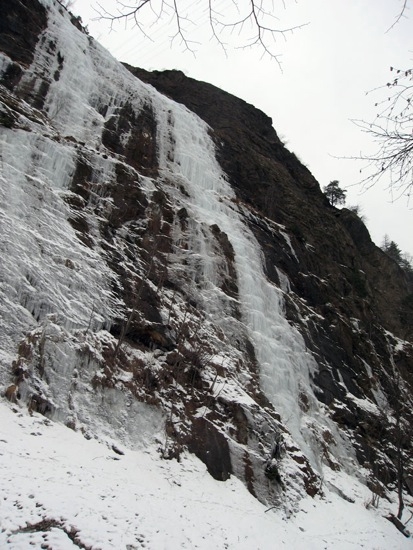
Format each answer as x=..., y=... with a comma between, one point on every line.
x=53, y=284
x=41, y=243
x=48, y=271
x=187, y=155
x=54, y=288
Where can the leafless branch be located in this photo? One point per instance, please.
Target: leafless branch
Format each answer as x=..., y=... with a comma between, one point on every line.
x=392, y=131
x=125, y=13
x=213, y=18
x=180, y=33
x=399, y=16
x=253, y=20
x=263, y=25
x=392, y=160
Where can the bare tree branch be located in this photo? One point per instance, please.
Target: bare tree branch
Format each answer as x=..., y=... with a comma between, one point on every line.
x=399, y=16
x=392, y=131
x=252, y=20
x=180, y=33
x=393, y=158
x=124, y=13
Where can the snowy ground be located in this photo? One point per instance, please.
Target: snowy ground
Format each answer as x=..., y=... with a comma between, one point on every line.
x=61, y=491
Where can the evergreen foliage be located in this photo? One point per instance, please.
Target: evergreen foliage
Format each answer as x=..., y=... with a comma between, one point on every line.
x=393, y=250
x=334, y=193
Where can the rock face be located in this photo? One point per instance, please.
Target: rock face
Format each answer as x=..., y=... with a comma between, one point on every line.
x=179, y=278
x=342, y=292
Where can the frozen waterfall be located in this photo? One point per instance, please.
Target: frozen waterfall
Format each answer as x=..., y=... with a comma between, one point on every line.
x=187, y=152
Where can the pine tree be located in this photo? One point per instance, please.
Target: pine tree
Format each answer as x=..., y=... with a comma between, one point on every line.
x=393, y=250
x=334, y=193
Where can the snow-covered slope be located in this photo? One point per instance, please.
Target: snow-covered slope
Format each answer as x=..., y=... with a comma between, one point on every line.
x=136, y=308
x=60, y=491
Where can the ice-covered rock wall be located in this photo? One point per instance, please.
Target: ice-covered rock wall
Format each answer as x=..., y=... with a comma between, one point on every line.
x=92, y=301
x=138, y=301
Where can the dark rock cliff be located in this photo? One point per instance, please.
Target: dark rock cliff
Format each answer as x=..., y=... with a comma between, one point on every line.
x=350, y=302
x=348, y=291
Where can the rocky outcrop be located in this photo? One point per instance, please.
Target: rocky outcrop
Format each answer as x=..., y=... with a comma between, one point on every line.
x=343, y=292
x=124, y=293
x=272, y=182
x=20, y=28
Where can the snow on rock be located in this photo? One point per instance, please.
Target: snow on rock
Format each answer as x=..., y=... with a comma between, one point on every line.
x=135, y=308
x=54, y=278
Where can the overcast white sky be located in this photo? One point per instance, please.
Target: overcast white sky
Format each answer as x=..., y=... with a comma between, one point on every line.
x=327, y=68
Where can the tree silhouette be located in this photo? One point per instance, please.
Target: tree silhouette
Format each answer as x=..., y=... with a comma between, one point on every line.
x=334, y=193
x=393, y=250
